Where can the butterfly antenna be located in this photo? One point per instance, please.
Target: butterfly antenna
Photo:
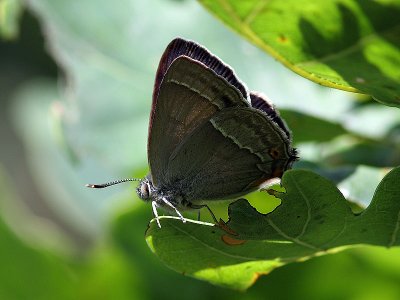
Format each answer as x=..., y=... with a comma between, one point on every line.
x=107, y=184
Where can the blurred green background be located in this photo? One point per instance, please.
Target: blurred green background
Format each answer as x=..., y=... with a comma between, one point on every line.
x=75, y=90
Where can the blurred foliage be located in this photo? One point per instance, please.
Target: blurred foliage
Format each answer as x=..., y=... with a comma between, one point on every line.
x=29, y=272
x=91, y=125
x=10, y=11
x=352, y=45
x=305, y=127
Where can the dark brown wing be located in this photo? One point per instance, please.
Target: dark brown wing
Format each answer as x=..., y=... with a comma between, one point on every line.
x=261, y=102
x=189, y=94
x=180, y=47
x=230, y=155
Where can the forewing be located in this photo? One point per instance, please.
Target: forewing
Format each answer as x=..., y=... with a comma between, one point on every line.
x=180, y=47
x=228, y=156
x=189, y=95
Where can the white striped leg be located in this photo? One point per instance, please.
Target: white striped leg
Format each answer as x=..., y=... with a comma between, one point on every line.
x=176, y=210
x=154, y=205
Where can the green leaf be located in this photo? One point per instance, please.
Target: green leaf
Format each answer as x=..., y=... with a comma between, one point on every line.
x=351, y=45
x=10, y=12
x=309, y=128
x=313, y=219
x=108, y=274
x=384, y=154
x=29, y=272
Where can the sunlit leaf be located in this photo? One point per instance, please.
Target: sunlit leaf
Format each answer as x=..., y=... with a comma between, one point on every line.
x=351, y=45
x=10, y=11
x=313, y=219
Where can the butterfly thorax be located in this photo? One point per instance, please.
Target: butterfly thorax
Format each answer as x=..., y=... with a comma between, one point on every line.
x=150, y=193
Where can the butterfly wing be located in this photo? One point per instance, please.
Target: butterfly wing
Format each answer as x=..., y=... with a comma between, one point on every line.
x=260, y=102
x=187, y=94
x=180, y=47
x=230, y=155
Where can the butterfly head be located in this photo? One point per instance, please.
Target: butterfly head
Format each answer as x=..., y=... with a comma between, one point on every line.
x=145, y=189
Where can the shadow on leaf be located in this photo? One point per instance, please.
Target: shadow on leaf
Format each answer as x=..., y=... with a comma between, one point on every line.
x=351, y=49
x=313, y=219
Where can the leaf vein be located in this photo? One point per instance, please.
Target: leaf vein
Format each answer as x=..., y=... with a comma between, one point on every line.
x=215, y=249
x=346, y=51
x=293, y=239
x=299, y=67
x=338, y=235
x=258, y=8
x=308, y=209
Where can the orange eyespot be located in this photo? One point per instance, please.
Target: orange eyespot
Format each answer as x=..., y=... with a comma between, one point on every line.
x=274, y=153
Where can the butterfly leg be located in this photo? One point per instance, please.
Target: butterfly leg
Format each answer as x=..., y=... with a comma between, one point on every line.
x=198, y=215
x=194, y=206
x=154, y=205
x=174, y=208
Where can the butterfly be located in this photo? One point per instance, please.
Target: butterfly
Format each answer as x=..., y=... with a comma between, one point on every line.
x=209, y=138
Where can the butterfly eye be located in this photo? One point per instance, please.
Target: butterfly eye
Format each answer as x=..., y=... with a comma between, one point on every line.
x=145, y=191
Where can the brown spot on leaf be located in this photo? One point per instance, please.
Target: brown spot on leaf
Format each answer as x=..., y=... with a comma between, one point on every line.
x=282, y=38
x=229, y=238
x=272, y=192
x=231, y=241
x=221, y=224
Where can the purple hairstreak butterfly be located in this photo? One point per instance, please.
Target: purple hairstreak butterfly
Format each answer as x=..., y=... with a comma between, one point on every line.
x=209, y=138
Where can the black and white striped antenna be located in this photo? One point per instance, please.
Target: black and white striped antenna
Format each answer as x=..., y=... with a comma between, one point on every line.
x=107, y=184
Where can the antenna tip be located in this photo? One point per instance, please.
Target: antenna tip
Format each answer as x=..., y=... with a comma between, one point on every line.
x=90, y=185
